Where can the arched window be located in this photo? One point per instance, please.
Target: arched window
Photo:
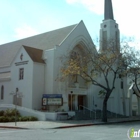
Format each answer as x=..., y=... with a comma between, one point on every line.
x=2, y=92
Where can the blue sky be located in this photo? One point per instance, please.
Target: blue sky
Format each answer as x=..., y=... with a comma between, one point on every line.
x=23, y=18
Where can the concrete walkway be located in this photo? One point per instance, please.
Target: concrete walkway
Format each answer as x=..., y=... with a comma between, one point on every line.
x=63, y=124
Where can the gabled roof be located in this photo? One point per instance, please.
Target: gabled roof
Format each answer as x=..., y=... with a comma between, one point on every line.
x=42, y=41
x=35, y=54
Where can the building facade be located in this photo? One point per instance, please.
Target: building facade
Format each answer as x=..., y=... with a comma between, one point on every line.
x=29, y=69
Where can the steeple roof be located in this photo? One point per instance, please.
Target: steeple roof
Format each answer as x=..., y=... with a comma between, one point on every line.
x=108, y=10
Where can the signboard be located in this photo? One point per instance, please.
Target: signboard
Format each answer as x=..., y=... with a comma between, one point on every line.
x=44, y=101
x=21, y=63
x=52, y=95
x=52, y=99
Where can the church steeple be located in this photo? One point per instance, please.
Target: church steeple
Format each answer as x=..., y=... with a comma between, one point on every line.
x=108, y=10
x=109, y=32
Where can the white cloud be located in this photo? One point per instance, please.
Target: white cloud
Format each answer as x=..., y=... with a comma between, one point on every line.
x=25, y=31
x=126, y=13
x=119, y=6
x=72, y=1
x=92, y=5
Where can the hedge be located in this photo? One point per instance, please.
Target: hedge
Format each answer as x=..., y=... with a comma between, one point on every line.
x=9, y=116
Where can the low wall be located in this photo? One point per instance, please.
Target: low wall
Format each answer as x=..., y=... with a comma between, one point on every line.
x=51, y=116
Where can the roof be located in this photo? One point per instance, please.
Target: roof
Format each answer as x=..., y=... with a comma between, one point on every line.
x=35, y=54
x=42, y=41
x=108, y=10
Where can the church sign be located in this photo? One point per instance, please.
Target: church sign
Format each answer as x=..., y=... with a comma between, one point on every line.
x=21, y=63
x=53, y=99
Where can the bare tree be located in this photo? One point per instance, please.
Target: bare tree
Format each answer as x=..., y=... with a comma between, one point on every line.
x=133, y=70
x=108, y=65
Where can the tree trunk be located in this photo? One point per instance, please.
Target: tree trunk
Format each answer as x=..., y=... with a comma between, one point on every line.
x=104, y=117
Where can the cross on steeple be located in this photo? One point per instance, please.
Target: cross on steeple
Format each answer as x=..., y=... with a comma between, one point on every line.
x=108, y=10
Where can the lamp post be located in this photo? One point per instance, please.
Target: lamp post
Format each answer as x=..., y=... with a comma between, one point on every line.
x=71, y=100
x=16, y=95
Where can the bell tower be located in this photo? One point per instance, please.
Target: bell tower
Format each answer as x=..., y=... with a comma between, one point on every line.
x=109, y=32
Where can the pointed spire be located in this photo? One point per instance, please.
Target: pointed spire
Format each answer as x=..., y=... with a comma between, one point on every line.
x=108, y=10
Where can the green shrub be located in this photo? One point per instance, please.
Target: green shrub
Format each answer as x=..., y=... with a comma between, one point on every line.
x=11, y=112
x=12, y=119
x=28, y=118
x=1, y=113
x=4, y=119
x=1, y=118
x=24, y=118
x=19, y=119
x=9, y=116
x=32, y=118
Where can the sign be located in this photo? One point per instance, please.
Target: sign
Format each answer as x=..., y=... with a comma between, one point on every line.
x=44, y=101
x=21, y=63
x=54, y=101
x=52, y=95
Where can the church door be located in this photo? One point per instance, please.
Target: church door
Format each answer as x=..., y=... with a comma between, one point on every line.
x=80, y=102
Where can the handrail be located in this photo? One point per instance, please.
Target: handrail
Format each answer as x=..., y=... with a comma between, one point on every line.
x=89, y=110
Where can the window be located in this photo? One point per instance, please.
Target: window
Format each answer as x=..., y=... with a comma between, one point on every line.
x=2, y=92
x=21, y=73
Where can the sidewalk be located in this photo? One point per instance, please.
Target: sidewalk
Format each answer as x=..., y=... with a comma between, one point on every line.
x=64, y=124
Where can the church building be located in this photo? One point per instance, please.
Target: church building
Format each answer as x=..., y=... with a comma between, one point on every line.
x=29, y=68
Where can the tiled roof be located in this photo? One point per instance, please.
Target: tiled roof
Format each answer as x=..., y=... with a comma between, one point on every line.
x=43, y=41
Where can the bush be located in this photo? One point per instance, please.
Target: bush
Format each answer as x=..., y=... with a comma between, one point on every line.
x=12, y=119
x=25, y=118
x=19, y=119
x=1, y=113
x=28, y=118
x=32, y=118
x=9, y=116
x=4, y=119
x=11, y=112
x=1, y=118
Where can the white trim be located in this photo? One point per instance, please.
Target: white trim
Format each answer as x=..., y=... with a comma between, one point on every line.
x=69, y=34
